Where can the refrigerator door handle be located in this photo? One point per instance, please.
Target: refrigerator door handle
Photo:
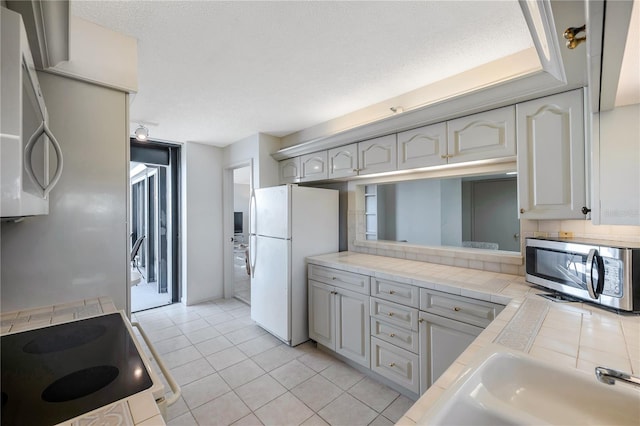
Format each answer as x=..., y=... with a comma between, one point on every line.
x=252, y=233
x=252, y=253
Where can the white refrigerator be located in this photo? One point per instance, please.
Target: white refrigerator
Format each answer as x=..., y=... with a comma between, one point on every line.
x=288, y=223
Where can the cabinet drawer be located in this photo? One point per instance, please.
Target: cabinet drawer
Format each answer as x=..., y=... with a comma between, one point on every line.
x=343, y=279
x=465, y=309
x=395, y=364
x=391, y=333
x=394, y=313
x=405, y=294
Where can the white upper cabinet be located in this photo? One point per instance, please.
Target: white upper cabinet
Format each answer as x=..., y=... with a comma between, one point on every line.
x=314, y=166
x=490, y=134
x=422, y=147
x=377, y=155
x=551, y=157
x=343, y=161
x=616, y=167
x=290, y=170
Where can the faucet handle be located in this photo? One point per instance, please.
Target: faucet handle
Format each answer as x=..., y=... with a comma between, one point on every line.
x=610, y=376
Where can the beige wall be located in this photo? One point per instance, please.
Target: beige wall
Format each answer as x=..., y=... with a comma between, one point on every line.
x=202, y=236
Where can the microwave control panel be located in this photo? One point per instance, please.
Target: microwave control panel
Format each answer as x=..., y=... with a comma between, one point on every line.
x=613, y=276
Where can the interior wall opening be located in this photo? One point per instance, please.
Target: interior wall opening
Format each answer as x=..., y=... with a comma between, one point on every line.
x=241, y=268
x=154, y=218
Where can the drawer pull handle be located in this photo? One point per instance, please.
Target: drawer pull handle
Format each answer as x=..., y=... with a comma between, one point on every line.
x=334, y=278
x=392, y=335
x=390, y=314
x=391, y=292
x=457, y=309
x=393, y=364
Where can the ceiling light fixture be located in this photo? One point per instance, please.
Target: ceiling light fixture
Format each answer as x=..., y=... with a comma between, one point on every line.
x=142, y=133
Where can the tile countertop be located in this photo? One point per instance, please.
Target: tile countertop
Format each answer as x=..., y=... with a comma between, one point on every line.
x=575, y=335
x=139, y=409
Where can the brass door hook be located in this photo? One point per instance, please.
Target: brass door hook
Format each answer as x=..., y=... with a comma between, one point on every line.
x=570, y=34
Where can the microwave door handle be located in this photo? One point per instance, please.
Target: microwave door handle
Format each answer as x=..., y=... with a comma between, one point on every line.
x=28, y=152
x=595, y=291
x=56, y=147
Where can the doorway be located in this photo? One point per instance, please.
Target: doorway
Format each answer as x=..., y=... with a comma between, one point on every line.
x=237, y=190
x=241, y=201
x=154, y=218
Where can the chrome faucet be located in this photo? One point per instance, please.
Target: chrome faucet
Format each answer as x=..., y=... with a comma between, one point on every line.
x=610, y=376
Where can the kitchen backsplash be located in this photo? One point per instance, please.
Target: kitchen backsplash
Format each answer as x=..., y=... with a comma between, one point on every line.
x=485, y=259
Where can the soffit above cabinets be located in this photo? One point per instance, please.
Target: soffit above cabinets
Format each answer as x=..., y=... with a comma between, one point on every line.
x=216, y=72
x=628, y=92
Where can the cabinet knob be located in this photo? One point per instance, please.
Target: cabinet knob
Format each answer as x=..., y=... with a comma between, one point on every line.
x=356, y=170
x=334, y=278
x=392, y=335
x=393, y=364
x=586, y=210
x=521, y=211
x=444, y=157
x=421, y=320
x=390, y=314
x=457, y=309
x=391, y=292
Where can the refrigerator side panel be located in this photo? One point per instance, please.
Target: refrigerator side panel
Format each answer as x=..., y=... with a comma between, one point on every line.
x=272, y=212
x=314, y=224
x=271, y=286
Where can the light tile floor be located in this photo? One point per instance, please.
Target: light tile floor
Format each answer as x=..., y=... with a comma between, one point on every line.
x=232, y=372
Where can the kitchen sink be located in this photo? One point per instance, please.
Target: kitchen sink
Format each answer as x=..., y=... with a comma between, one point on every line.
x=511, y=388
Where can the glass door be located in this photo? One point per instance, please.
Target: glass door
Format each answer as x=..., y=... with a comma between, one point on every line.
x=154, y=218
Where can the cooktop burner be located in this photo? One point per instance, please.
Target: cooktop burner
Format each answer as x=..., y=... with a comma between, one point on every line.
x=55, y=373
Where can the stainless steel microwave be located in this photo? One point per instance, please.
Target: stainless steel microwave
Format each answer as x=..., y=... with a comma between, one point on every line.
x=602, y=272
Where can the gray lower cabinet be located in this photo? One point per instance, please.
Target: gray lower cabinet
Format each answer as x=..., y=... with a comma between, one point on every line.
x=406, y=334
x=322, y=315
x=339, y=320
x=352, y=326
x=442, y=340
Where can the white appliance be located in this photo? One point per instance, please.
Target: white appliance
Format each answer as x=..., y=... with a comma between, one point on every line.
x=24, y=132
x=288, y=223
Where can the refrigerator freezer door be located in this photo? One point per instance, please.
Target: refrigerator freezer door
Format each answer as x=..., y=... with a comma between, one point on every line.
x=272, y=210
x=271, y=286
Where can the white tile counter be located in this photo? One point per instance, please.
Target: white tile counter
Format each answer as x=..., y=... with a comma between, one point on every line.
x=139, y=409
x=574, y=335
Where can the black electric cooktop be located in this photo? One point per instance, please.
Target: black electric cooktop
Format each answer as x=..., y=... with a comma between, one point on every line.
x=56, y=373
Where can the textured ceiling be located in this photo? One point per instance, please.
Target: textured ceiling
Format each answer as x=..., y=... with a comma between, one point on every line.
x=216, y=72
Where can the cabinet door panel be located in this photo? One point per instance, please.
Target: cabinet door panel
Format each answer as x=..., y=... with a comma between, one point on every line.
x=441, y=342
x=551, y=173
x=426, y=146
x=290, y=170
x=486, y=135
x=353, y=326
x=377, y=155
x=314, y=166
x=343, y=161
x=321, y=314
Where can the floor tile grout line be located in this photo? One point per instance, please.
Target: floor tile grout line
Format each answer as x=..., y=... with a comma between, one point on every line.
x=265, y=372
